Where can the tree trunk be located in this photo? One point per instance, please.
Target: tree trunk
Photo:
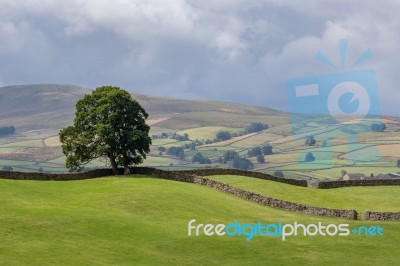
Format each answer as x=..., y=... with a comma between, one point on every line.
x=126, y=170
x=113, y=164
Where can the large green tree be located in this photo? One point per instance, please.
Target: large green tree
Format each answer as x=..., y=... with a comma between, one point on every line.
x=108, y=123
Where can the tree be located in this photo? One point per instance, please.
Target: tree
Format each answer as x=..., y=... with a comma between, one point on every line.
x=278, y=173
x=310, y=141
x=260, y=158
x=223, y=135
x=40, y=170
x=309, y=157
x=161, y=149
x=199, y=158
x=254, y=152
x=378, y=127
x=324, y=143
x=108, y=123
x=343, y=173
x=229, y=156
x=267, y=150
x=242, y=163
x=7, y=130
x=176, y=151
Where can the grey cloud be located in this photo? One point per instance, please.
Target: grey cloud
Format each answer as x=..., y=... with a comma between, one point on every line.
x=240, y=51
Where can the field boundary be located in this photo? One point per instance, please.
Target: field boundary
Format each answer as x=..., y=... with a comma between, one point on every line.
x=232, y=171
x=190, y=176
x=354, y=183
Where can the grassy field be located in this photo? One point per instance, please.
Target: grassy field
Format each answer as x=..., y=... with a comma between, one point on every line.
x=143, y=220
x=361, y=199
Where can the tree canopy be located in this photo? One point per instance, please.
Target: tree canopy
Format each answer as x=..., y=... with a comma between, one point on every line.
x=7, y=130
x=108, y=123
x=309, y=157
x=242, y=163
x=256, y=127
x=223, y=135
x=199, y=158
x=229, y=156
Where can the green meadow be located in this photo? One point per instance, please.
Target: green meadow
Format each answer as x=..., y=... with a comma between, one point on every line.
x=361, y=199
x=143, y=220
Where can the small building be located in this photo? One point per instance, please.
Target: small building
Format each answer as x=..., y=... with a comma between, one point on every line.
x=354, y=177
x=383, y=176
x=388, y=176
x=394, y=175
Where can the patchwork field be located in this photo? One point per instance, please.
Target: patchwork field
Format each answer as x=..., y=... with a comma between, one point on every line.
x=144, y=220
x=351, y=146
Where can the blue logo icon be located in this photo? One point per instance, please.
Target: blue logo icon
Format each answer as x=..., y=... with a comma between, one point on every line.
x=339, y=102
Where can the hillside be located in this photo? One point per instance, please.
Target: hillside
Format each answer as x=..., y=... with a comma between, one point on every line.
x=39, y=111
x=51, y=106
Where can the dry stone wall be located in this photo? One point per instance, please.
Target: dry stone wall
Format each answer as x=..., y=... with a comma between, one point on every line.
x=351, y=183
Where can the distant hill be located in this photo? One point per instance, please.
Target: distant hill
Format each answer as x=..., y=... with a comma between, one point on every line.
x=40, y=106
x=39, y=111
x=52, y=106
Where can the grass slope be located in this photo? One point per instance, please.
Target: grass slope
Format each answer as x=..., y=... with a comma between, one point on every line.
x=361, y=199
x=143, y=220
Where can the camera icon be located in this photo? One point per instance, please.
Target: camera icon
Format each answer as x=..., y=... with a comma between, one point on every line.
x=340, y=104
x=339, y=96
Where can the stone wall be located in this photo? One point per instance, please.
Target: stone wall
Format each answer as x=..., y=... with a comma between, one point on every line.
x=350, y=183
x=382, y=216
x=286, y=205
x=196, y=176
x=191, y=177
x=56, y=177
x=229, y=171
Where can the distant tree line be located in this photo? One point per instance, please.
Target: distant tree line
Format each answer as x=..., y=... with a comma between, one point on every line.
x=237, y=161
x=256, y=127
x=226, y=135
x=264, y=150
x=7, y=130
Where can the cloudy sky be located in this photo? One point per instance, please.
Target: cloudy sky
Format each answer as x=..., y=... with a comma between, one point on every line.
x=238, y=51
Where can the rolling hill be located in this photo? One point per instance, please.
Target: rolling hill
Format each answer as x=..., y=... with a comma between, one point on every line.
x=39, y=111
x=51, y=106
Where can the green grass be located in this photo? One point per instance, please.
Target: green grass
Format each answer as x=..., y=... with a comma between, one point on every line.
x=159, y=161
x=361, y=199
x=256, y=140
x=143, y=220
x=206, y=132
x=161, y=142
x=366, y=170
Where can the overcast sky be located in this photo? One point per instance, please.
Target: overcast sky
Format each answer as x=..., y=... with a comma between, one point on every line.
x=238, y=51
